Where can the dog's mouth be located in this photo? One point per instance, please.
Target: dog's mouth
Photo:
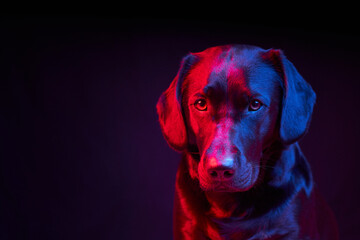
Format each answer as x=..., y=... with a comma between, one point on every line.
x=241, y=184
x=222, y=187
x=231, y=187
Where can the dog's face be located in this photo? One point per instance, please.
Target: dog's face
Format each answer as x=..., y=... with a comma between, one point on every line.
x=226, y=104
x=231, y=103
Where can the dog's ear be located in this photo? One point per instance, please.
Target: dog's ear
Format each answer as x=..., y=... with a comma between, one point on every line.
x=169, y=108
x=298, y=98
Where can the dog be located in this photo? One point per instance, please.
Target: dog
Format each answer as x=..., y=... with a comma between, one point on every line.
x=236, y=113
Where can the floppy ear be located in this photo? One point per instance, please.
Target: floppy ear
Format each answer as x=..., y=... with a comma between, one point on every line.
x=169, y=108
x=298, y=99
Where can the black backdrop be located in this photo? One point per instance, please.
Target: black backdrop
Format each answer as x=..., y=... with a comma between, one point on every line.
x=81, y=152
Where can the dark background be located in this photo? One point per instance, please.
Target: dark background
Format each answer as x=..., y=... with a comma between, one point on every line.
x=81, y=152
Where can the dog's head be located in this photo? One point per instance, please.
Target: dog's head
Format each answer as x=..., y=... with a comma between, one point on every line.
x=227, y=105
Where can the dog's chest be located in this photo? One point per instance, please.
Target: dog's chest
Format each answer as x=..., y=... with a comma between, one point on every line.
x=284, y=227
x=266, y=234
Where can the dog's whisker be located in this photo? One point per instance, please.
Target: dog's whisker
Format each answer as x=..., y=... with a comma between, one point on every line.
x=263, y=167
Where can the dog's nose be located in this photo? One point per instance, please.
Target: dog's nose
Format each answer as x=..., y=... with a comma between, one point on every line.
x=221, y=174
x=221, y=170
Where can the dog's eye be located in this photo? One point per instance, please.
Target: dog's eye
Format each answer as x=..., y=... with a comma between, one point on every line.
x=200, y=104
x=255, y=105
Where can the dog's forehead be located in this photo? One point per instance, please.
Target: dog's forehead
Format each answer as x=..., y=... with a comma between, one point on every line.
x=232, y=68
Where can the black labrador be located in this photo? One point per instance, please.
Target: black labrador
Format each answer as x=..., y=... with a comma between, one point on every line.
x=236, y=113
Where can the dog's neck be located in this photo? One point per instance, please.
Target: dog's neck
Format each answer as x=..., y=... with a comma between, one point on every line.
x=224, y=205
